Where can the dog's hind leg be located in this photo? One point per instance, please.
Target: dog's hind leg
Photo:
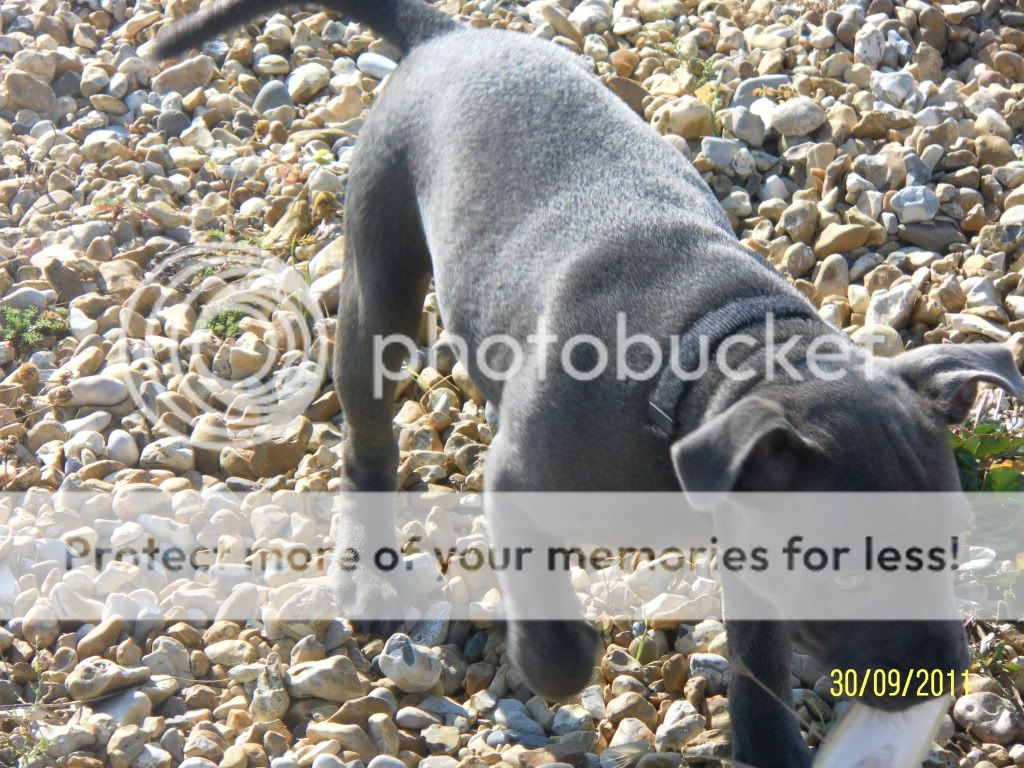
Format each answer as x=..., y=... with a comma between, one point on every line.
x=386, y=276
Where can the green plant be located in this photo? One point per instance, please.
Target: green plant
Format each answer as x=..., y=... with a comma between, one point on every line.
x=225, y=324
x=202, y=273
x=216, y=234
x=704, y=73
x=23, y=744
x=700, y=69
x=643, y=640
x=716, y=103
x=21, y=747
x=29, y=329
x=989, y=457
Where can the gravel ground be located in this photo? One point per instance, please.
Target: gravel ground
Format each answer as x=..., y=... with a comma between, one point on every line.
x=170, y=258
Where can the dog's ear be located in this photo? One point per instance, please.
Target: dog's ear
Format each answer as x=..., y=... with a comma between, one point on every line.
x=947, y=375
x=749, y=446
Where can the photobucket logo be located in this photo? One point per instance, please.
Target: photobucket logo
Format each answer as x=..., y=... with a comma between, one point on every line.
x=740, y=356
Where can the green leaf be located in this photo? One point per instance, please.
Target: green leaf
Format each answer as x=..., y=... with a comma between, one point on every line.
x=1003, y=479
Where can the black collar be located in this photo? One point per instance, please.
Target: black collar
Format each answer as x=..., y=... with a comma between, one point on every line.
x=716, y=326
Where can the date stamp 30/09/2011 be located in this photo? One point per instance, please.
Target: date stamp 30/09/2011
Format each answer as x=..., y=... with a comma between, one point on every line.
x=879, y=683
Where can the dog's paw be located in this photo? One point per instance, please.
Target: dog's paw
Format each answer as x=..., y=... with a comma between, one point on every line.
x=556, y=658
x=372, y=603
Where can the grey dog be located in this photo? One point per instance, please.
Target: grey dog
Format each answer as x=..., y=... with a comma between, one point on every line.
x=543, y=206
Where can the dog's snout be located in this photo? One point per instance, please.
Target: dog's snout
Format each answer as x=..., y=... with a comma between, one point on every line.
x=922, y=660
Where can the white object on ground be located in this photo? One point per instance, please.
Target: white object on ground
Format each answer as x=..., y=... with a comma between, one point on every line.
x=871, y=738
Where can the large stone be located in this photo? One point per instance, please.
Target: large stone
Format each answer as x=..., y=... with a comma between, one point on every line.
x=989, y=717
x=95, y=676
x=277, y=450
x=892, y=307
x=25, y=91
x=97, y=390
x=933, y=236
x=185, y=76
x=334, y=679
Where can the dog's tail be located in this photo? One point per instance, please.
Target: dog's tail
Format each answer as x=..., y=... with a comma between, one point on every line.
x=403, y=23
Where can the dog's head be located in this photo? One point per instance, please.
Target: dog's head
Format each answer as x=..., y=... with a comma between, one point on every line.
x=879, y=429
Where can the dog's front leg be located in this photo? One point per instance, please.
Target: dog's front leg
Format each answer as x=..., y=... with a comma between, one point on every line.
x=547, y=640
x=765, y=729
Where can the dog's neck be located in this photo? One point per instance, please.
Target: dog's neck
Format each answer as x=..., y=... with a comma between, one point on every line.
x=702, y=340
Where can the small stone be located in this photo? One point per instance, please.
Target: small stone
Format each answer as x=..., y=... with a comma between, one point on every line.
x=840, y=238
x=412, y=668
x=153, y=756
x=350, y=737
x=375, y=65
x=273, y=95
x=97, y=390
x=230, y=653
x=672, y=737
x=270, y=699
x=442, y=739
x=711, y=667
x=687, y=116
x=656, y=10
x=40, y=627
x=170, y=453
x=994, y=150
x=632, y=705
x=914, y=204
x=121, y=446
x=125, y=745
x=893, y=87
x=833, y=278
x=869, y=46
x=630, y=731
x=747, y=126
x=571, y=717
x=100, y=637
x=308, y=80
x=797, y=117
